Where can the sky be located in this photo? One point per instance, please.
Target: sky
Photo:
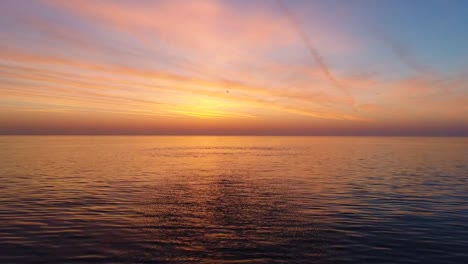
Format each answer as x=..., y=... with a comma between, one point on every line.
x=234, y=67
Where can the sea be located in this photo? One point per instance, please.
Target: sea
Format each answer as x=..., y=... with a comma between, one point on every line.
x=233, y=199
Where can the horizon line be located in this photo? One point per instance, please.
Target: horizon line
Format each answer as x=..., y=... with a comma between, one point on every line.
x=233, y=135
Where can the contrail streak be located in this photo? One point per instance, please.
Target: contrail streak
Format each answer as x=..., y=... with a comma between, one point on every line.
x=311, y=48
x=404, y=54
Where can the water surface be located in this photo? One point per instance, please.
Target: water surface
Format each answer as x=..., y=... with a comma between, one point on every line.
x=106, y=199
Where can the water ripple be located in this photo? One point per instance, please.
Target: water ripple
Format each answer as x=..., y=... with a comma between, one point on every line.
x=233, y=200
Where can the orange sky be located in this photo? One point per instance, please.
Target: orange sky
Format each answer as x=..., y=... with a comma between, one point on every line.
x=221, y=67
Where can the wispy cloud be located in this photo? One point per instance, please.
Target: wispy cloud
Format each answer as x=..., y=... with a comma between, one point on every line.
x=152, y=81
x=183, y=63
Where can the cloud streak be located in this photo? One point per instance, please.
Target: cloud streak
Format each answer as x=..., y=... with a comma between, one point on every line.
x=152, y=81
x=404, y=54
x=318, y=58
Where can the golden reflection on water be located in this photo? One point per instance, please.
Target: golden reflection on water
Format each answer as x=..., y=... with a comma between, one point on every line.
x=231, y=199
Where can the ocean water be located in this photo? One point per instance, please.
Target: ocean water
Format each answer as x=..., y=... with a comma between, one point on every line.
x=144, y=199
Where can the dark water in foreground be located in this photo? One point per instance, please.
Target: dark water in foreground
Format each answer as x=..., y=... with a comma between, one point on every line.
x=233, y=200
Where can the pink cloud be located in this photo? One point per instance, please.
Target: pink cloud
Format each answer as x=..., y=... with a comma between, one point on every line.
x=209, y=27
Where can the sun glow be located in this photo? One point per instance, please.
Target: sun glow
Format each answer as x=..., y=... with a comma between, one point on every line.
x=211, y=108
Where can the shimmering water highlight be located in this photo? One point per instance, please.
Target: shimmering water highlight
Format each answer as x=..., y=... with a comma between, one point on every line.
x=105, y=199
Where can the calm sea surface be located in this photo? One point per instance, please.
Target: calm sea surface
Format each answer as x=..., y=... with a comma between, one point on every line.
x=105, y=199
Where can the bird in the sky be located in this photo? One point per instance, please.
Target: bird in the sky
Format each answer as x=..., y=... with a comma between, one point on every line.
x=227, y=91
